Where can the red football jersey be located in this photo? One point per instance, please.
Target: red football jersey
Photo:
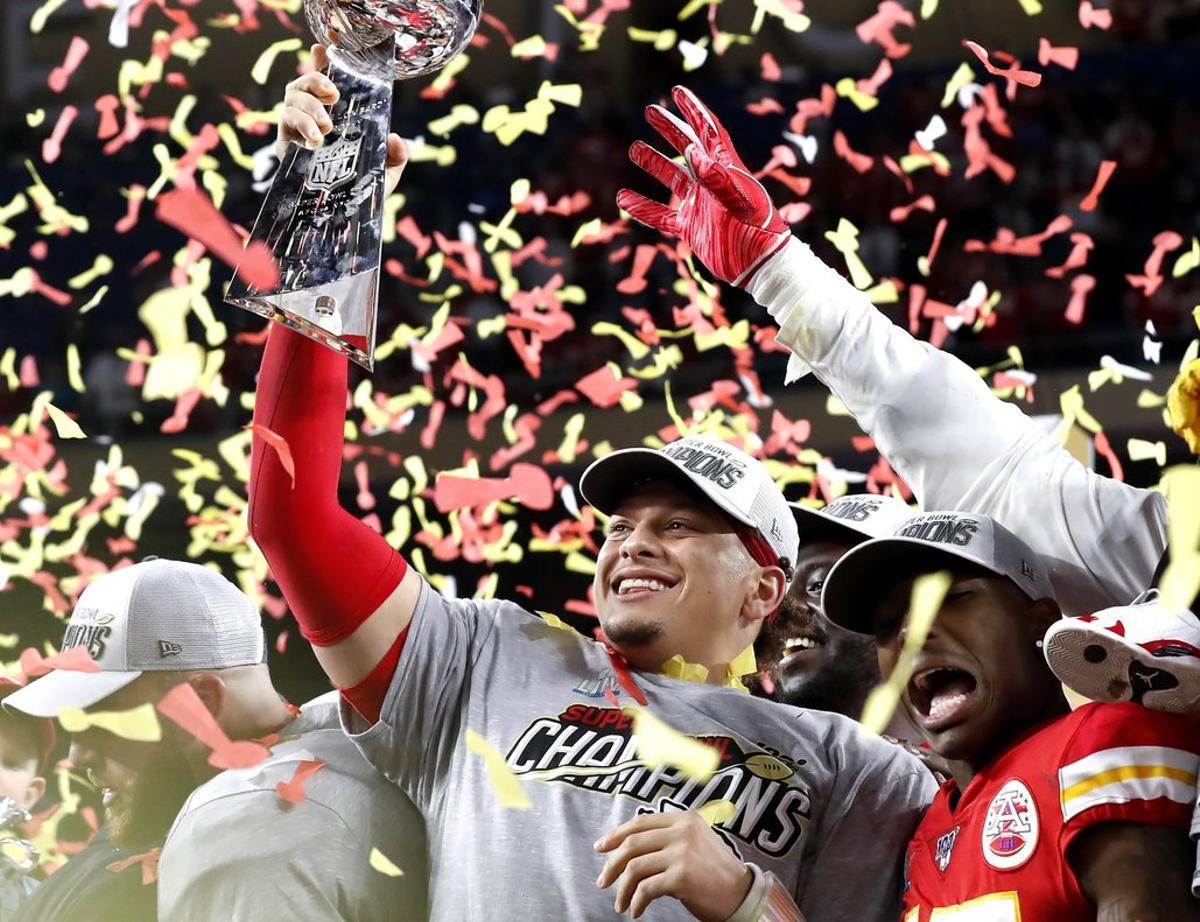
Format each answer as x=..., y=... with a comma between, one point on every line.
x=999, y=854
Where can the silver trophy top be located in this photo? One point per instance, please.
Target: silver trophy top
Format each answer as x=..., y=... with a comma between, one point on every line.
x=386, y=40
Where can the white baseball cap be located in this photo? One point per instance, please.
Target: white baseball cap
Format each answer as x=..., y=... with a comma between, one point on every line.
x=855, y=517
x=737, y=484
x=854, y=585
x=154, y=616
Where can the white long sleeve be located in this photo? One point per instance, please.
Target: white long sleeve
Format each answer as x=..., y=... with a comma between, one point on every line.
x=957, y=445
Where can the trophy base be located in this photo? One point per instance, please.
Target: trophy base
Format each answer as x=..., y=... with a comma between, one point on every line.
x=299, y=311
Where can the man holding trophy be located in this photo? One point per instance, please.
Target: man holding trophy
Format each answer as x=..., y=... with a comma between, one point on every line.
x=699, y=553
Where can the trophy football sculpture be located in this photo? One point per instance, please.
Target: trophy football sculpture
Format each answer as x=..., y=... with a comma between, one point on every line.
x=323, y=216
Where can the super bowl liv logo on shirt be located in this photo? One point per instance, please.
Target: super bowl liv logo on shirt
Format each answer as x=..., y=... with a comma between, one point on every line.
x=592, y=748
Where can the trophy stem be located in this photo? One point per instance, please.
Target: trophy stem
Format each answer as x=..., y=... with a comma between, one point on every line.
x=322, y=221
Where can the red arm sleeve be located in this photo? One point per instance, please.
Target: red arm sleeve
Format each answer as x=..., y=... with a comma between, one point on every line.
x=334, y=570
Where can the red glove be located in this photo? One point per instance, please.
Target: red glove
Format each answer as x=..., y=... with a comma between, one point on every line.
x=720, y=210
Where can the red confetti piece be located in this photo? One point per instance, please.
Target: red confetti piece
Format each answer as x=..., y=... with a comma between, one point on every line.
x=1081, y=249
x=938, y=233
x=106, y=108
x=879, y=28
x=813, y=108
x=52, y=146
x=1152, y=276
x=76, y=659
x=1081, y=287
x=1012, y=74
x=1105, y=450
x=279, y=445
x=529, y=484
x=182, y=705
x=1102, y=177
x=191, y=212
x=635, y=282
x=902, y=212
x=292, y=791
x=184, y=404
x=872, y=85
x=1065, y=57
x=362, y=477
x=76, y=52
x=1089, y=16
x=148, y=861
x=770, y=67
x=604, y=388
x=861, y=162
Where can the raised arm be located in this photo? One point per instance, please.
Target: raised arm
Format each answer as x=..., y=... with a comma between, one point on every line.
x=352, y=594
x=954, y=443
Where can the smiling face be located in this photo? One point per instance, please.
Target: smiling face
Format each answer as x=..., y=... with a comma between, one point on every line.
x=980, y=680
x=813, y=662
x=144, y=784
x=673, y=577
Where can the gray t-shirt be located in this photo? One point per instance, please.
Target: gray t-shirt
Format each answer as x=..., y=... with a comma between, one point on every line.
x=826, y=806
x=239, y=852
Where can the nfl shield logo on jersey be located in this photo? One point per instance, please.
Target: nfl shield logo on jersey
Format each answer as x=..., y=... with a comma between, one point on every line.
x=1010, y=832
x=944, y=849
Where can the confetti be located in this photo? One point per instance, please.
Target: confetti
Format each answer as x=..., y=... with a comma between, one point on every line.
x=139, y=724
x=1181, y=581
x=292, y=790
x=1103, y=175
x=1183, y=405
x=182, y=705
x=659, y=745
x=508, y=788
x=927, y=595
x=381, y=863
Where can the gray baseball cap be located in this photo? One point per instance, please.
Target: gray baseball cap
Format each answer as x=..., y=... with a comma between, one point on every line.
x=736, y=483
x=154, y=616
x=855, y=517
x=941, y=539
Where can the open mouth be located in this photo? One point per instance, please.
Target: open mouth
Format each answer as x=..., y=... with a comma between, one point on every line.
x=941, y=695
x=636, y=587
x=795, y=649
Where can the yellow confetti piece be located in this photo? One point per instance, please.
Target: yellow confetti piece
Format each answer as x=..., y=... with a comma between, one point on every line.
x=66, y=427
x=847, y=88
x=555, y=621
x=845, y=239
x=679, y=668
x=1183, y=404
x=35, y=118
x=1031, y=7
x=460, y=115
x=794, y=21
x=139, y=724
x=74, y=377
x=959, y=79
x=37, y=21
x=662, y=41
x=928, y=8
x=506, y=785
x=1181, y=581
x=262, y=67
x=381, y=863
x=658, y=745
x=1142, y=450
x=1188, y=261
x=533, y=47
x=927, y=595
x=716, y=812
x=102, y=266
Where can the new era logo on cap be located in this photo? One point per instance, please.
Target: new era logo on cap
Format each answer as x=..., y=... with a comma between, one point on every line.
x=166, y=648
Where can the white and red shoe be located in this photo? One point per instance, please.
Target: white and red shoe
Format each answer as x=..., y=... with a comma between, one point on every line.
x=1142, y=652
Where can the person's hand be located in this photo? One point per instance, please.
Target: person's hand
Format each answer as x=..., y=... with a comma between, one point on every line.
x=306, y=120
x=718, y=208
x=673, y=854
